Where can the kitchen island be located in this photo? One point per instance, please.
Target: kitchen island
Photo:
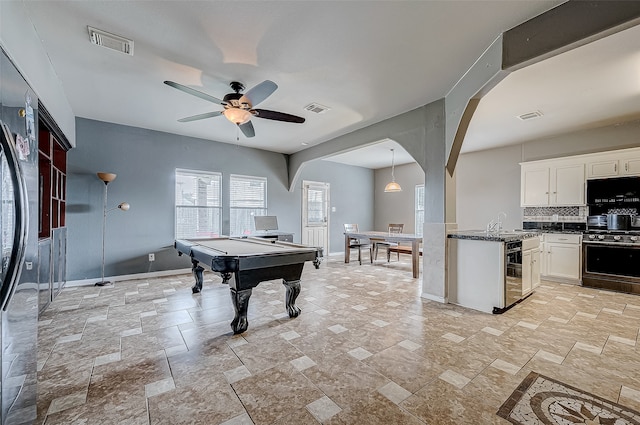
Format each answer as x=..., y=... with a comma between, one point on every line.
x=491, y=271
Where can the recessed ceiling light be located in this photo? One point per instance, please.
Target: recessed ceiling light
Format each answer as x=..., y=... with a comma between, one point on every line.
x=304, y=144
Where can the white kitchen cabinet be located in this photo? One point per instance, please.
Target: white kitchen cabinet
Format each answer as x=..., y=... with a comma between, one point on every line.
x=530, y=265
x=603, y=168
x=630, y=166
x=526, y=272
x=562, y=181
x=567, y=185
x=535, y=185
x=614, y=164
x=552, y=184
x=535, y=268
x=561, y=259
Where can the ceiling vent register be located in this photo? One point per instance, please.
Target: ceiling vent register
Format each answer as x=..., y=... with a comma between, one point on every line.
x=316, y=108
x=110, y=41
x=530, y=115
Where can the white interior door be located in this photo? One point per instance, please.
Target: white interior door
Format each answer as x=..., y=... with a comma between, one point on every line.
x=315, y=214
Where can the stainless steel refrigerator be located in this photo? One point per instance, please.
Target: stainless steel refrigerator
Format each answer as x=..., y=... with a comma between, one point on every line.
x=18, y=245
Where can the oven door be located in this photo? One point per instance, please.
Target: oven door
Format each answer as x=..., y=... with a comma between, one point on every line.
x=611, y=266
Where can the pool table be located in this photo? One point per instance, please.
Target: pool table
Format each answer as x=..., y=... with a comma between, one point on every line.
x=250, y=261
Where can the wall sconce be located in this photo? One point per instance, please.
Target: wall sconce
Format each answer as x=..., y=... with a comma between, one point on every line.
x=124, y=206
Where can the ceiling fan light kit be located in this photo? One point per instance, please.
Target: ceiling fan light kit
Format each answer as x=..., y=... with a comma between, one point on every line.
x=238, y=107
x=237, y=116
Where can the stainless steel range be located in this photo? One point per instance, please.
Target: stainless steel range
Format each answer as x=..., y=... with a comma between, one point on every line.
x=611, y=260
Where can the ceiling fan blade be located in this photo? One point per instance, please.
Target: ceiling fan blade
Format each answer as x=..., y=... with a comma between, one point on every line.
x=194, y=92
x=278, y=116
x=247, y=129
x=201, y=116
x=260, y=92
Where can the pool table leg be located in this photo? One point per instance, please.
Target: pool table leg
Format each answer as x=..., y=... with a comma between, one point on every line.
x=225, y=278
x=197, y=270
x=240, y=301
x=293, y=290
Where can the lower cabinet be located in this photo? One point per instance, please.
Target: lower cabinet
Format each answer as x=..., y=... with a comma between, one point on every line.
x=561, y=257
x=530, y=270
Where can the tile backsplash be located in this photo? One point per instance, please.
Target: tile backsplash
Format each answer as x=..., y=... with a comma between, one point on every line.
x=559, y=214
x=632, y=211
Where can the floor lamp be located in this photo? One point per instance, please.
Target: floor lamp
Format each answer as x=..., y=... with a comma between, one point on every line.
x=106, y=179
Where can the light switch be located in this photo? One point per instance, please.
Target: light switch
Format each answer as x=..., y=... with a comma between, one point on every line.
x=333, y=209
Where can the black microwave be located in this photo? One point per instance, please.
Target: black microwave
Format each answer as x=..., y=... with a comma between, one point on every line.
x=613, y=192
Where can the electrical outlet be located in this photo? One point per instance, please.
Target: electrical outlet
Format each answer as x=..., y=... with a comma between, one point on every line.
x=152, y=257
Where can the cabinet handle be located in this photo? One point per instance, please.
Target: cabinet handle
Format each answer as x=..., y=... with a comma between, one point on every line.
x=626, y=166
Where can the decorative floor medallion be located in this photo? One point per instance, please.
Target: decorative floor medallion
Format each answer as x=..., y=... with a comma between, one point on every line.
x=542, y=400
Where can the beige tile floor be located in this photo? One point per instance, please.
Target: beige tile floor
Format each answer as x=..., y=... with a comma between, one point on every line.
x=367, y=349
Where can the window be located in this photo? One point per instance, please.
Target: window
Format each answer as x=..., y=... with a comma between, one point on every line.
x=248, y=197
x=198, y=204
x=419, y=208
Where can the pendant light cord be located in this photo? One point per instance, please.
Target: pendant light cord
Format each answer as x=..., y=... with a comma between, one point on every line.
x=393, y=177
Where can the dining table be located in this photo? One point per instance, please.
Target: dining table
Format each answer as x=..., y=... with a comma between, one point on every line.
x=374, y=236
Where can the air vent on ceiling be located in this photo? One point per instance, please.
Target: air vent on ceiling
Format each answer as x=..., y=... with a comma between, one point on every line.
x=110, y=41
x=317, y=108
x=530, y=115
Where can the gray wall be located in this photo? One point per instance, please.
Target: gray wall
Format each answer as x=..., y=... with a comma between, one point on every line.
x=351, y=194
x=145, y=162
x=489, y=181
x=619, y=136
x=398, y=207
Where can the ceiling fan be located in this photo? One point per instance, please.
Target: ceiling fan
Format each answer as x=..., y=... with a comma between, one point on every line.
x=238, y=107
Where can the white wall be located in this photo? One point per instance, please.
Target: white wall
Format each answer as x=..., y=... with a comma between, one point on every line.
x=398, y=207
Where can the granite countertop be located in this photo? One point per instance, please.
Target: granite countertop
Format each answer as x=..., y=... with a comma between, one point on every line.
x=503, y=236
x=576, y=232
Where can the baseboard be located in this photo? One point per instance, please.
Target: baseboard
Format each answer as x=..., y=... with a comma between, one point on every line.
x=91, y=282
x=435, y=298
x=561, y=280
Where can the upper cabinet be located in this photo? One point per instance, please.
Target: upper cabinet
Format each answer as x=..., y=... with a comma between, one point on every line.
x=562, y=181
x=548, y=183
x=614, y=164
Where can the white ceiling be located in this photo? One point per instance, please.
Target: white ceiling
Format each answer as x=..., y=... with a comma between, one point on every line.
x=594, y=85
x=366, y=60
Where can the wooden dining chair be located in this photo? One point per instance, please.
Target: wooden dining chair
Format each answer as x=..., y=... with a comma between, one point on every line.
x=393, y=228
x=358, y=243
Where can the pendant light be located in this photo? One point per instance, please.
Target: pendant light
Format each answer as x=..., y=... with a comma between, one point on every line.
x=392, y=186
